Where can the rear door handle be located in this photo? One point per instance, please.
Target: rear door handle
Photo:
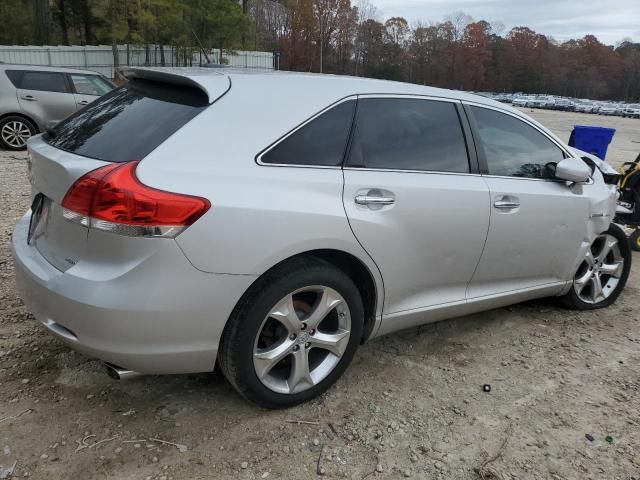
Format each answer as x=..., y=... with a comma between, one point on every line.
x=29, y=98
x=507, y=202
x=83, y=102
x=374, y=200
x=504, y=204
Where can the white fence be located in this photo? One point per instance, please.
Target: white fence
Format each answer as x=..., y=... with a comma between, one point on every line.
x=99, y=58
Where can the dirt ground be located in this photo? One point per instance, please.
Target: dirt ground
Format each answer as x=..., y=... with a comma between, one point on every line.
x=411, y=404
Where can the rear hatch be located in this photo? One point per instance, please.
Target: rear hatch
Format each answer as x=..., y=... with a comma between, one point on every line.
x=124, y=125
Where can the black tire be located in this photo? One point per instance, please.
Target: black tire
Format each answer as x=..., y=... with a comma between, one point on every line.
x=11, y=120
x=571, y=298
x=235, y=355
x=634, y=240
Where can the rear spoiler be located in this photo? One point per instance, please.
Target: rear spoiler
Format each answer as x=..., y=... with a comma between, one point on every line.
x=213, y=84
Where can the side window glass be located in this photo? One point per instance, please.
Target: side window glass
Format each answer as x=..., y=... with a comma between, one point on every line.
x=321, y=142
x=513, y=148
x=89, y=85
x=43, y=81
x=408, y=134
x=14, y=77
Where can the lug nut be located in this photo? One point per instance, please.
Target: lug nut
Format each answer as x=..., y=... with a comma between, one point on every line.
x=296, y=348
x=307, y=345
x=312, y=332
x=303, y=326
x=292, y=336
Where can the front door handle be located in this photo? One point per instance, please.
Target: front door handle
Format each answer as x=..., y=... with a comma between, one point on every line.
x=83, y=102
x=374, y=200
x=29, y=98
x=507, y=202
x=504, y=204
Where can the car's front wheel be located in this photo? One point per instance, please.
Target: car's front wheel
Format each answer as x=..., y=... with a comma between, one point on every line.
x=14, y=132
x=603, y=272
x=293, y=334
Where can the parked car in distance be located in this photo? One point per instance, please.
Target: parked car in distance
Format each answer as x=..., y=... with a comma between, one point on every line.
x=33, y=99
x=608, y=109
x=563, y=104
x=631, y=110
x=331, y=211
x=523, y=101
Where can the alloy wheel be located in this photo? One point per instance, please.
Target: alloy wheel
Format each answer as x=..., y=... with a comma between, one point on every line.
x=302, y=339
x=600, y=271
x=15, y=133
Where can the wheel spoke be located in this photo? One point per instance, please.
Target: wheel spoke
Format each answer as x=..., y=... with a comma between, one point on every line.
x=265, y=360
x=606, y=248
x=329, y=300
x=581, y=282
x=596, y=288
x=285, y=313
x=300, y=376
x=589, y=258
x=613, y=269
x=335, y=343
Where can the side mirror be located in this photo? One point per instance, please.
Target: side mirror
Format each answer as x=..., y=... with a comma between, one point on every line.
x=573, y=170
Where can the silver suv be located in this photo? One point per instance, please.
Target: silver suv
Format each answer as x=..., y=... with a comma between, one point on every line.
x=271, y=223
x=33, y=99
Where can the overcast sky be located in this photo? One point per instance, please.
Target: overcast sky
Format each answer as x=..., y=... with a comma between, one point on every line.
x=609, y=20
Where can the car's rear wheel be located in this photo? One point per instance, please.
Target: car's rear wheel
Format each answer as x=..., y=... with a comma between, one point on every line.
x=603, y=272
x=293, y=334
x=15, y=131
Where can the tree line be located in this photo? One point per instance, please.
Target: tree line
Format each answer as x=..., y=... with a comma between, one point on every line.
x=338, y=36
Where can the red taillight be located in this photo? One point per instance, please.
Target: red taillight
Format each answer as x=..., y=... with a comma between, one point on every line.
x=112, y=198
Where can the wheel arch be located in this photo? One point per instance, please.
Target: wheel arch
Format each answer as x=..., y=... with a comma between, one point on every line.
x=22, y=115
x=370, y=287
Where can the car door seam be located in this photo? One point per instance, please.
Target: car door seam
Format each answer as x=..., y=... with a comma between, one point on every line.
x=346, y=215
x=484, y=246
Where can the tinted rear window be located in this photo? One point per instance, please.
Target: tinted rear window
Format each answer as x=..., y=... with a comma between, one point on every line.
x=321, y=142
x=44, y=82
x=129, y=122
x=14, y=77
x=408, y=134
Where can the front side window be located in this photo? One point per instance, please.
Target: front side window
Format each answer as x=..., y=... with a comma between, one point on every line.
x=321, y=142
x=90, y=84
x=408, y=134
x=43, y=81
x=513, y=148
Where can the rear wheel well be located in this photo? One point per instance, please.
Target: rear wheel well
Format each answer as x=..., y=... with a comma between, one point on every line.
x=360, y=275
x=351, y=266
x=21, y=115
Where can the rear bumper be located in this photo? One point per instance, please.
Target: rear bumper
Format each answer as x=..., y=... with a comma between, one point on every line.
x=158, y=316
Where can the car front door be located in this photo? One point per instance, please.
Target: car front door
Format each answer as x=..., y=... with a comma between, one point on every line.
x=537, y=222
x=45, y=96
x=415, y=203
x=87, y=88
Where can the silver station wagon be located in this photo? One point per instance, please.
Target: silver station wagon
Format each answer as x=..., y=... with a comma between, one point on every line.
x=272, y=222
x=33, y=99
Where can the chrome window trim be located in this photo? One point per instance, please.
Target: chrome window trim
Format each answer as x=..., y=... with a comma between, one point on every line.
x=394, y=170
x=262, y=153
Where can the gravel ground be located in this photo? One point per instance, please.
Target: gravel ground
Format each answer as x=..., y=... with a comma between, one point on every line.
x=411, y=404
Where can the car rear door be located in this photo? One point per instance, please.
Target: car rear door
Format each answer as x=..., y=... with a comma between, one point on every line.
x=45, y=96
x=87, y=88
x=415, y=202
x=537, y=222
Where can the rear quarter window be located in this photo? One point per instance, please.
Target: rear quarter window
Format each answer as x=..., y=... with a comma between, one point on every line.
x=129, y=122
x=14, y=77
